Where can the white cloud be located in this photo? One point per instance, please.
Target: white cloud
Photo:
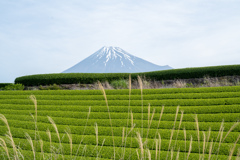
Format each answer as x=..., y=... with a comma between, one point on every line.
x=51, y=36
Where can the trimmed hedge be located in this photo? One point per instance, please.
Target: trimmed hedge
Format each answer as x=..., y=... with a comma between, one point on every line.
x=77, y=132
x=126, y=91
x=123, y=109
x=228, y=117
x=77, y=126
x=173, y=102
x=133, y=97
x=107, y=151
x=2, y=85
x=89, y=78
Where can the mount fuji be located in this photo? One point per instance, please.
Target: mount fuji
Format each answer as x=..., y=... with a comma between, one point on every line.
x=114, y=60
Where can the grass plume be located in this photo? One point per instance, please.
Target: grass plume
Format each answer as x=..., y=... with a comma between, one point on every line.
x=190, y=148
x=230, y=130
x=41, y=146
x=105, y=97
x=179, y=126
x=204, y=144
x=210, y=150
x=172, y=131
x=159, y=145
x=140, y=142
x=141, y=89
x=50, y=140
x=34, y=100
x=69, y=135
x=31, y=144
x=185, y=141
x=198, y=133
x=233, y=148
x=9, y=135
x=4, y=146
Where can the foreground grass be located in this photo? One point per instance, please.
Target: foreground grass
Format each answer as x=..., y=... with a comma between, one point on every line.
x=134, y=141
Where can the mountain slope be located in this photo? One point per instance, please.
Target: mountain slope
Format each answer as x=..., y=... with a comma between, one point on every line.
x=113, y=60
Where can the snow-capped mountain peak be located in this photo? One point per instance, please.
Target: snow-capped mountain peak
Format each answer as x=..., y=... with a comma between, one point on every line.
x=113, y=60
x=113, y=53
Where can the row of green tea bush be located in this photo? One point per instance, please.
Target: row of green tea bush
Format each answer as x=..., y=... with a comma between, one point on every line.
x=170, y=102
x=90, y=78
x=77, y=125
x=74, y=109
x=125, y=91
x=106, y=151
x=209, y=117
x=133, y=97
x=151, y=133
x=11, y=86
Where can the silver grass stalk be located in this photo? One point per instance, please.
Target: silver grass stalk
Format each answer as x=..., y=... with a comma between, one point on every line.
x=137, y=154
x=190, y=148
x=141, y=89
x=149, y=154
x=232, y=150
x=123, y=135
x=238, y=154
x=69, y=135
x=58, y=135
x=130, y=86
x=234, y=126
x=105, y=97
x=160, y=117
x=171, y=153
x=156, y=149
x=159, y=147
x=140, y=142
x=31, y=144
x=204, y=144
x=96, y=132
x=219, y=132
x=210, y=150
x=185, y=140
x=149, y=110
x=41, y=146
x=34, y=100
x=101, y=146
x=198, y=134
x=172, y=132
x=50, y=140
x=55, y=127
x=5, y=148
x=9, y=135
x=179, y=126
x=177, y=157
x=150, y=120
x=220, y=140
x=208, y=137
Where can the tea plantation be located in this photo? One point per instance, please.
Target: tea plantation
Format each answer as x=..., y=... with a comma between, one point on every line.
x=204, y=126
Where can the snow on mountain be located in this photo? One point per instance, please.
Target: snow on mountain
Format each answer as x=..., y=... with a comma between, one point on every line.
x=114, y=60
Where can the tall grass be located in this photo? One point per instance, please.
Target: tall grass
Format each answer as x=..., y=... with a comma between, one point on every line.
x=141, y=89
x=144, y=151
x=105, y=97
x=4, y=146
x=10, y=137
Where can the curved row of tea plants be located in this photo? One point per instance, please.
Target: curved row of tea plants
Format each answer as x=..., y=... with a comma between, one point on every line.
x=84, y=115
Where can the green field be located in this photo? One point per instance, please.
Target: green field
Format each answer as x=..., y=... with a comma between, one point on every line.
x=84, y=115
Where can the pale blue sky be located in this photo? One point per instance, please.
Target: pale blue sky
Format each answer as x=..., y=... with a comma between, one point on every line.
x=49, y=36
